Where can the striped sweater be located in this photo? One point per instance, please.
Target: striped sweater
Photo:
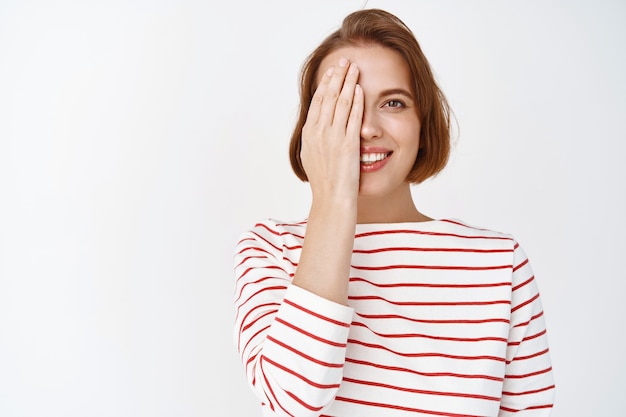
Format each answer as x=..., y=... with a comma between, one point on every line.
x=444, y=319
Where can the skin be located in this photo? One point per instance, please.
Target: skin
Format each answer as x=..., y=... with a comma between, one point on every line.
x=363, y=102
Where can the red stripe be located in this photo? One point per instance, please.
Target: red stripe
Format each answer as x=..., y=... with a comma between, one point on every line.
x=455, y=321
x=253, y=322
x=419, y=391
x=303, y=355
x=413, y=249
x=427, y=336
x=534, y=355
x=300, y=223
x=535, y=391
x=534, y=407
x=251, y=257
x=429, y=303
x=435, y=267
x=522, y=376
x=314, y=314
x=277, y=233
x=310, y=335
x=276, y=287
x=248, y=248
x=267, y=241
x=302, y=403
x=293, y=263
x=529, y=280
x=420, y=232
x=253, y=309
x=397, y=407
x=428, y=374
x=269, y=386
x=252, y=268
x=300, y=376
x=425, y=354
x=260, y=280
x=541, y=333
x=246, y=317
x=294, y=247
x=526, y=323
x=430, y=285
x=520, y=265
x=244, y=240
x=250, y=361
x=250, y=339
x=525, y=303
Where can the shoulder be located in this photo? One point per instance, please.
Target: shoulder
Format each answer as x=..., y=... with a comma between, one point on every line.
x=273, y=227
x=495, y=241
x=465, y=228
x=479, y=234
x=275, y=233
x=443, y=233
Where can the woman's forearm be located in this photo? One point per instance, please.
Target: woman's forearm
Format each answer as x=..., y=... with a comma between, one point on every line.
x=324, y=266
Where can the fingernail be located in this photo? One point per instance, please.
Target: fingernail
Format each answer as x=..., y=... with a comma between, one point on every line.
x=343, y=62
x=352, y=69
x=329, y=71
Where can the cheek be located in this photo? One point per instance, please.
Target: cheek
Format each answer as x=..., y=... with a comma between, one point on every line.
x=417, y=135
x=413, y=139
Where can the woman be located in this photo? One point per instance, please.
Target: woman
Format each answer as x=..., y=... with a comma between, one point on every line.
x=368, y=307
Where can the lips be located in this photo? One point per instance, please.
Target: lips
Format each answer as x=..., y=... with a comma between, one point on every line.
x=373, y=159
x=370, y=158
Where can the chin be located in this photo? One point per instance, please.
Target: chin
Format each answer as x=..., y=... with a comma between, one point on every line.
x=369, y=190
x=382, y=189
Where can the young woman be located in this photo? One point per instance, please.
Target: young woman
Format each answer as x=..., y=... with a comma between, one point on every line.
x=368, y=307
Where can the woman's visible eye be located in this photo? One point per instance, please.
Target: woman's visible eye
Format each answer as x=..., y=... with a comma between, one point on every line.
x=396, y=104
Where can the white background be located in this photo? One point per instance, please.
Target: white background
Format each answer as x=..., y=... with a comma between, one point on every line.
x=138, y=139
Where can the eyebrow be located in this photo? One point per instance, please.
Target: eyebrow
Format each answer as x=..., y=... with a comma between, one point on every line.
x=394, y=91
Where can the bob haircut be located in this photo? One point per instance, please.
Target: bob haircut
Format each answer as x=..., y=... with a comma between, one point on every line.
x=377, y=27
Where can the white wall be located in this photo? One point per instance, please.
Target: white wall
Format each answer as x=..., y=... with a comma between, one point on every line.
x=138, y=139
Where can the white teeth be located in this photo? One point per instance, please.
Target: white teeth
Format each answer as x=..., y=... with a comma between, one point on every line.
x=373, y=157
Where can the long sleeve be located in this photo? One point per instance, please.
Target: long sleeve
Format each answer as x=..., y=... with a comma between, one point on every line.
x=442, y=319
x=292, y=343
x=528, y=388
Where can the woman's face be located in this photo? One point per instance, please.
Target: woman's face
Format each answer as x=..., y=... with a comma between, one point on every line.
x=390, y=128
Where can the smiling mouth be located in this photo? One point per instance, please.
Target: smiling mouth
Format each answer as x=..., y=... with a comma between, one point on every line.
x=372, y=158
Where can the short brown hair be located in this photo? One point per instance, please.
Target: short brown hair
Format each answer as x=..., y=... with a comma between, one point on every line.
x=375, y=26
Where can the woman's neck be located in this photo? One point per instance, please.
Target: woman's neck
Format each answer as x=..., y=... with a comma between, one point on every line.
x=396, y=207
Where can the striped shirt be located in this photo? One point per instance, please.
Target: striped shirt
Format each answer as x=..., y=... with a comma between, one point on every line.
x=443, y=319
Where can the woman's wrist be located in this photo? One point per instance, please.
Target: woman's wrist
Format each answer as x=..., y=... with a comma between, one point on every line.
x=335, y=207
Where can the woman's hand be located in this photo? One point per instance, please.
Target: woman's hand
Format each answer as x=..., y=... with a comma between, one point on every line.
x=331, y=141
x=331, y=135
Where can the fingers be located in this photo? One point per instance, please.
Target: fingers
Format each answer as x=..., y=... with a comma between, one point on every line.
x=333, y=98
x=345, y=100
x=353, y=128
x=331, y=133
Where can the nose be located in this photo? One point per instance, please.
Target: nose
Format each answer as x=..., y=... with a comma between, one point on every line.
x=370, y=125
